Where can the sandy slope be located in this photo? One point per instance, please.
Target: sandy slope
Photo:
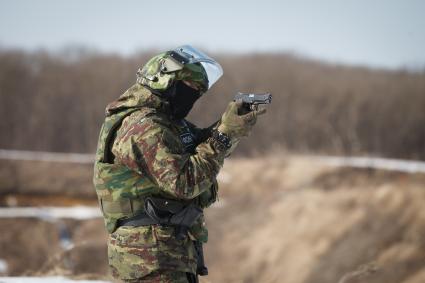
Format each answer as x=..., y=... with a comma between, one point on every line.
x=280, y=219
x=303, y=222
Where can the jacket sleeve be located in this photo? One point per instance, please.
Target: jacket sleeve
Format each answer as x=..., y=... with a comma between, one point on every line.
x=150, y=148
x=203, y=134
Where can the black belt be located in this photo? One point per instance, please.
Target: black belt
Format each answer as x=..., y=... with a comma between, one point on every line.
x=141, y=219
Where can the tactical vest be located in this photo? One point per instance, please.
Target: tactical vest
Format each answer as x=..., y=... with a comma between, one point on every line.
x=121, y=191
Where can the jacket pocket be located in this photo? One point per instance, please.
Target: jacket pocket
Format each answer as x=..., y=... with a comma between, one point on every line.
x=132, y=252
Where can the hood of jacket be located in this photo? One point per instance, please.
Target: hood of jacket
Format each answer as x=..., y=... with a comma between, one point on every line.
x=137, y=96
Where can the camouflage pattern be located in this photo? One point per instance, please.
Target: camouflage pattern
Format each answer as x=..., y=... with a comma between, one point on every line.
x=162, y=276
x=150, y=160
x=135, y=252
x=154, y=76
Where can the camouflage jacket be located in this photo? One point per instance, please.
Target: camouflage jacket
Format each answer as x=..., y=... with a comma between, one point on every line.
x=141, y=152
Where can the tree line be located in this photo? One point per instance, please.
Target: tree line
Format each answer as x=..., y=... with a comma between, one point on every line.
x=56, y=102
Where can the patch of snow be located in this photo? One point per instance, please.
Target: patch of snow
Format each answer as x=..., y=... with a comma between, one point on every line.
x=3, y=266
x=46, y=156
x=407, y=166
x=51, y=213
x=65, y=236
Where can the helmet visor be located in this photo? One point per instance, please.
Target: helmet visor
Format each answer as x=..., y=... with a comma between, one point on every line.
x=192, y=55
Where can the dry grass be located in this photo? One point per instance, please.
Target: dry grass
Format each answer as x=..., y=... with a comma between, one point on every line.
x=54, y=104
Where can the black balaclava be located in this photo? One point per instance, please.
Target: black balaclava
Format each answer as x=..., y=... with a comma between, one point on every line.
x=182, y=98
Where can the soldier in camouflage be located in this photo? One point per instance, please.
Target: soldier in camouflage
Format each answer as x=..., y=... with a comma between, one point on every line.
x=147, y=149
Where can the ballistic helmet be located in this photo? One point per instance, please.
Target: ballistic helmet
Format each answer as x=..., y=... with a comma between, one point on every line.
x=184, y=63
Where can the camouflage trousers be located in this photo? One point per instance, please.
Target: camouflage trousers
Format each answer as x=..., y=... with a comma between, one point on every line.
x=166, y=276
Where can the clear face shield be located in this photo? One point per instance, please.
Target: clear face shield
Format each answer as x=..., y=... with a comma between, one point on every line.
x=187, y=54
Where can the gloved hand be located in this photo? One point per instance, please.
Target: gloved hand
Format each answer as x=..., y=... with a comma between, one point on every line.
x=236, y=121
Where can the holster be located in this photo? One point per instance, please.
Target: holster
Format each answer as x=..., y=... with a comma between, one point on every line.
x=161, y=209
x=169, y=212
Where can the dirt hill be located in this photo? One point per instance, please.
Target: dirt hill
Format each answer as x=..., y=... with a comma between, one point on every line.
x=279, y=220
x=296, y=221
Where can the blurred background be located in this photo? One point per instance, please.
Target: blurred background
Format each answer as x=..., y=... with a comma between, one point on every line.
x=329, y=186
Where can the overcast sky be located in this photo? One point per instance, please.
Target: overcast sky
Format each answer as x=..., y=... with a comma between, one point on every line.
x=380, y=33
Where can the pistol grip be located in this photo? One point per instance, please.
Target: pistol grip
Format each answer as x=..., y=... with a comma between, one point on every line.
x=246, y=108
